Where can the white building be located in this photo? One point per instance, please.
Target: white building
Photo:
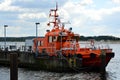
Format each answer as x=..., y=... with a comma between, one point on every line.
x=28, y=44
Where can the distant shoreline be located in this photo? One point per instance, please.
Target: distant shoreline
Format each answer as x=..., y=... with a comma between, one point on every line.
x=79, y=41
x=82, y=38
x=103, y=42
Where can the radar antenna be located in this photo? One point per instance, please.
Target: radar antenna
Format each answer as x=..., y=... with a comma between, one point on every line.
x=55, y=16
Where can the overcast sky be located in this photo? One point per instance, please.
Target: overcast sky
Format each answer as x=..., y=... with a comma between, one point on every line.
x=86, y=17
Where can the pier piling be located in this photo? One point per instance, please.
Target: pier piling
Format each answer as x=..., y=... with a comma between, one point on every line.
x=103, y=64
x=13, y=66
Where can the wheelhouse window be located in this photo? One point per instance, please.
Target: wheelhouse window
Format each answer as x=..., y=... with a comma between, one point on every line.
x=40, y=43
x=76, y=38
x=63, y=38
x=52, y=38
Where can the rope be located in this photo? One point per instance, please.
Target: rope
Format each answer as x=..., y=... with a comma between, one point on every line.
x=77, y=68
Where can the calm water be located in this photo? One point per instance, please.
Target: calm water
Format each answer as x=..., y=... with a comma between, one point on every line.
x=113, y=72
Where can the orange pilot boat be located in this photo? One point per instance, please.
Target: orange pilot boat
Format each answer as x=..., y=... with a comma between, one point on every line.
x=60, y=50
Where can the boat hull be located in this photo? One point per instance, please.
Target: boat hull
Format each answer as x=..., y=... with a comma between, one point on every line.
x=57, y=64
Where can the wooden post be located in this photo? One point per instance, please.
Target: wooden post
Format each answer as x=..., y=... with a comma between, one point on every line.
x=103, y=65
x=13, y=66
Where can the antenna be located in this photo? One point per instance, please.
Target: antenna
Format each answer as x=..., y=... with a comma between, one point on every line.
x=55, y=16
x=63, y=23
x=56, y=6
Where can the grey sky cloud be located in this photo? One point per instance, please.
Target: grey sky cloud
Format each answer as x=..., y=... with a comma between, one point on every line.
x=92, y=15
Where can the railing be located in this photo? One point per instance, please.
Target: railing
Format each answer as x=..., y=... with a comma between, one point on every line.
x=97, y=45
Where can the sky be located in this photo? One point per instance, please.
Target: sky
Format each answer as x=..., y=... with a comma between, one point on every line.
x=86, y=17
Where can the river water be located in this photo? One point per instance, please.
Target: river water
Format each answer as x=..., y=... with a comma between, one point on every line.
x=113, y=72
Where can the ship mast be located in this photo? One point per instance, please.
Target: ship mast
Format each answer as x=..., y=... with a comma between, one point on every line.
x=53, y=13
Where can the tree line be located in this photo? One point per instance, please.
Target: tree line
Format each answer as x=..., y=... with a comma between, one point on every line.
x=99, y=38
x=82, y=38
x=18, y=39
